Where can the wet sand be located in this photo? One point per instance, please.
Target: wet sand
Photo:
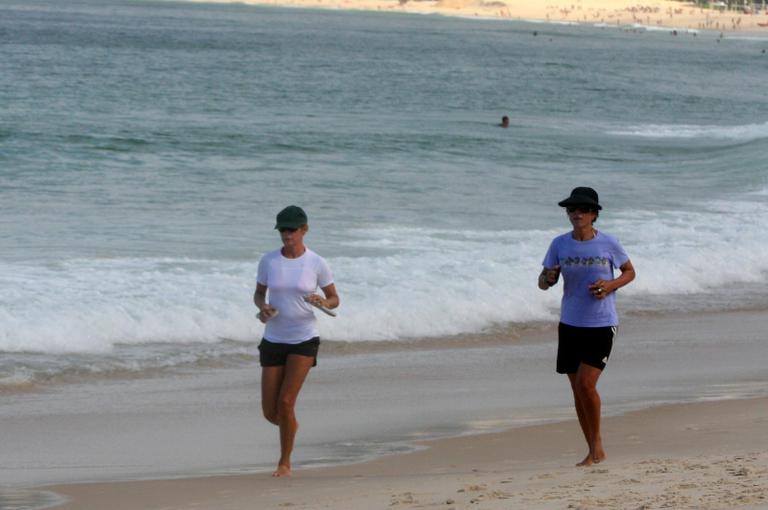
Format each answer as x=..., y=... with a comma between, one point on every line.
x=703, y=455
x=362, y=403
x=711, y=453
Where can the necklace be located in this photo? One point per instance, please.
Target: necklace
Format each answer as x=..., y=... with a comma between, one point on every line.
x=594, y=233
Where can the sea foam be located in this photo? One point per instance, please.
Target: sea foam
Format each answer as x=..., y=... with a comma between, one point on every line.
x=422, y=282
x=743, y=133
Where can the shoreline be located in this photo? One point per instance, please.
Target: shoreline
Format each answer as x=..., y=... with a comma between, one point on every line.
x=168, y=435
x=499, y=334
x=693, y=455
x=649, y=14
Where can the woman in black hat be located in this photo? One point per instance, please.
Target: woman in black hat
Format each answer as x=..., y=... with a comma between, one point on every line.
x=588, y=320
x=291, y=340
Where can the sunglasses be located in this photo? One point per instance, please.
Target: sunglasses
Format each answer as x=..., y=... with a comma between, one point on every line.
x=287, y=229
x=582, y=210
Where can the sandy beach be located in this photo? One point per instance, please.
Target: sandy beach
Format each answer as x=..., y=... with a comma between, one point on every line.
x=711, y=453
x=649, y=13
x=708, y=455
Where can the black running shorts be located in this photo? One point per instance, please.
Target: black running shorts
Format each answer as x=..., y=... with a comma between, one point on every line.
x=576, y=345
x=273, y=354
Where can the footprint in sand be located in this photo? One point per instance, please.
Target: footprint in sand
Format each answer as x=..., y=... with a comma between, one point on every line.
x=741, y=471
x=406, y=498
x=499, y=495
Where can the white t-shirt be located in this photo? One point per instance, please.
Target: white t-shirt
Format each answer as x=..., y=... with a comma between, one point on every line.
x=288, y=281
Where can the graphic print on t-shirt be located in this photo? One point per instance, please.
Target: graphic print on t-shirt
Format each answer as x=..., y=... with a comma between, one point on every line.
x=586, y=261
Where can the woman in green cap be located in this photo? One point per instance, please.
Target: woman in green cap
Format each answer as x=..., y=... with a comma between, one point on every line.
x=588, y=320
x=291, y=340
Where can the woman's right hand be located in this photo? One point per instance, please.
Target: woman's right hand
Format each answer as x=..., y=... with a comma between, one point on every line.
x=549, y=277
x=552, y=275
x=266, y=312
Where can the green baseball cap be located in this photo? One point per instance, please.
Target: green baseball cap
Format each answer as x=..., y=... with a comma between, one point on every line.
x=292, y=216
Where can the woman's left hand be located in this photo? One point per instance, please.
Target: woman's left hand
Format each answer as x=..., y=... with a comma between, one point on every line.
x=600, y=289
x=315, y=299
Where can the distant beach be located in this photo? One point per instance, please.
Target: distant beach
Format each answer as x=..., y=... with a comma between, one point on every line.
x=630, y=13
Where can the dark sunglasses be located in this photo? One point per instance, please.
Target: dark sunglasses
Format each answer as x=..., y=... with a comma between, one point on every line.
x=287, y=229
x=582, y=210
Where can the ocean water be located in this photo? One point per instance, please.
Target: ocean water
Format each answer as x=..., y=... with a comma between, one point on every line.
x=146, y=146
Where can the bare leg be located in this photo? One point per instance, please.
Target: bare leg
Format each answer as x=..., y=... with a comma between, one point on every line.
x=581, y=413
x=296, y=370
x=584, y=385
x=271, y=381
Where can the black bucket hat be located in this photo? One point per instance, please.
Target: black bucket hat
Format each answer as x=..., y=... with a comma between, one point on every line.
x=582, y=196
x=291, y=217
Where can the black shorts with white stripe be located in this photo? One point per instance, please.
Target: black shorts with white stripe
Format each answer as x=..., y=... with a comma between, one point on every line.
x=577, y=345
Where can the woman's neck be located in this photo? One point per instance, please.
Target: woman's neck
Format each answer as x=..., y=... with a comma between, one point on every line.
x=293, y=252
x=584, y=234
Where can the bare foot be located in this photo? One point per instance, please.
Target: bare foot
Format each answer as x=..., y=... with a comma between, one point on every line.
x=588, y=460
x=282, y=471
x=598, y=456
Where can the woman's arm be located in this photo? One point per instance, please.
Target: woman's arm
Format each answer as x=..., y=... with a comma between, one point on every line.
x=260, y=300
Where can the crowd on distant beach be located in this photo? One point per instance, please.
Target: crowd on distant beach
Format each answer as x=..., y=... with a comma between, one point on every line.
x=686, y=16
x=656, y=13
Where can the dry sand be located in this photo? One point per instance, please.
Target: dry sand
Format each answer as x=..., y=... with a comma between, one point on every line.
x=703, y=455
x=655, y=13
